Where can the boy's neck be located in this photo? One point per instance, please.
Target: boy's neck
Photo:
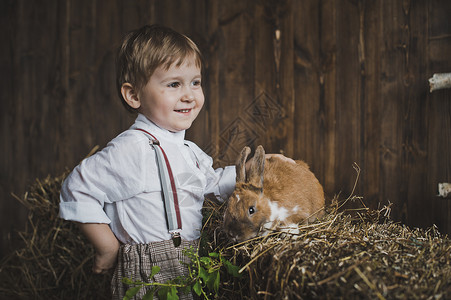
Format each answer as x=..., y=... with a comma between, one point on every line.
x=175, y=136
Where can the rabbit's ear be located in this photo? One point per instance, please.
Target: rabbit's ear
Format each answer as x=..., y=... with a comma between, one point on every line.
x=241, y=164
x=257, y=168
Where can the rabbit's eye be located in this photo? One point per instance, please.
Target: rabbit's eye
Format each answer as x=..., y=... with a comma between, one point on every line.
x=252, y=210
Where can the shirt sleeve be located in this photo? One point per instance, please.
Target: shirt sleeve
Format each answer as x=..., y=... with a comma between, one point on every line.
x=220, y=182
x=113, y=174
x=226, y=182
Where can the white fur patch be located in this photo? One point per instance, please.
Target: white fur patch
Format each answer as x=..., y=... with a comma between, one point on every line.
x=238, y=198
x=277, y=213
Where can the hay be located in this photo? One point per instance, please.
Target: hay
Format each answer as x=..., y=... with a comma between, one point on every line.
x=348, y=254
x=55, y=260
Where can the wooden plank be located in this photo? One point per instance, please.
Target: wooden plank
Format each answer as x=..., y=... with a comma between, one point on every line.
x=235, y=49
x=328, y=96
x=391, y=62
x=315, y=86
x=77, y=44
x=11, y=215
x=370, y=39
x=29, y=125
x=438, y=113
x=208, y=137
x=439, y=160
x=270, y=112
x=415, y=114
x=403, y=121
x=308, y=71
x=284, y=143
x=349, y=95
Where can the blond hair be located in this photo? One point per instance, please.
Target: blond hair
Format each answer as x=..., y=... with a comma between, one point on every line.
x=147, y=48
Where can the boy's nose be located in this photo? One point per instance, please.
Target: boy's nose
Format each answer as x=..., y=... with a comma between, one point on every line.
x=188, y=95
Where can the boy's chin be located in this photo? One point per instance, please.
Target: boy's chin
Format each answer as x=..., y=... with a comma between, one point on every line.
x=172, y=127
x=179, y=128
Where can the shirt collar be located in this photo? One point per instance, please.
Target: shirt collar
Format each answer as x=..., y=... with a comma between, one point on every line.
x=160, y=133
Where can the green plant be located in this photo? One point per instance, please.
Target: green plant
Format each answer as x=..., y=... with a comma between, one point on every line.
x=203, y=278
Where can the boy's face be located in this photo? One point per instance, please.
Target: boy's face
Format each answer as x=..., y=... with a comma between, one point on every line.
x=173, y=98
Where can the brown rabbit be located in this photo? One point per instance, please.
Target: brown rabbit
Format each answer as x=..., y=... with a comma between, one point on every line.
x=275, y=194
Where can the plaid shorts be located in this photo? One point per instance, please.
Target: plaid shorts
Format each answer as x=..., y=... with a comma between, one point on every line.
x=136, y=261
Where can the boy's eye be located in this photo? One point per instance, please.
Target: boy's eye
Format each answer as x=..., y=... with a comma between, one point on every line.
x=196, y=83
x=174, y=84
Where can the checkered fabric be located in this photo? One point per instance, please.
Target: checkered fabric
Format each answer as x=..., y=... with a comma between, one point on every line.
x=136, y=261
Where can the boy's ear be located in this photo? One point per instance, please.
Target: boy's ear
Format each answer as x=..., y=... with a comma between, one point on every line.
x=130, y=95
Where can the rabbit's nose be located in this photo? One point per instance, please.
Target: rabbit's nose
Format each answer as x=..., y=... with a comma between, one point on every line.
x=233, y=238
x=230, y=235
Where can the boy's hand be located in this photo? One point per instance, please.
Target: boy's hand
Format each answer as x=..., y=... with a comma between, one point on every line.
x=104, y=262
x=105, y=244
x=277, y=155
x=280, y=156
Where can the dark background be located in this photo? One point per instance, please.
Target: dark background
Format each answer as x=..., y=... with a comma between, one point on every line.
x=329, y=82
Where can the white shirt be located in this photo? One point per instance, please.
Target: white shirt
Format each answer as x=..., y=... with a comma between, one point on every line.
x=120, y=185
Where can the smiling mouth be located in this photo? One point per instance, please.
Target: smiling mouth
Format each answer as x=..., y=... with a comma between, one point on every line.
x=183, y=110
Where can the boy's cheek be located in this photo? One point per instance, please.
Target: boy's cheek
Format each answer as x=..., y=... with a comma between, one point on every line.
x=200, y=99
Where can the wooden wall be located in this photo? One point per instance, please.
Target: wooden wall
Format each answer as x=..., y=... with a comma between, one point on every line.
x=330, y=82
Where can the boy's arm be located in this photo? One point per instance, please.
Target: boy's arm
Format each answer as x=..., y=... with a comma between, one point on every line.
x=105, y=244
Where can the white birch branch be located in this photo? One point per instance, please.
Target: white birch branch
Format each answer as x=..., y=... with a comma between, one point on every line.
x=440, y=81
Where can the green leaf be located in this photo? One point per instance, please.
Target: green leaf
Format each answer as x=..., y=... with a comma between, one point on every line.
x=149, y=295
x=216, y=284
x=197, y=288
x=172, y=294
x=163, y=292
x=206, y=261
x=155, y=270
x=131, y=292
x=203, y=274
x=213, y=254
x=213, y=280
x=232, y=269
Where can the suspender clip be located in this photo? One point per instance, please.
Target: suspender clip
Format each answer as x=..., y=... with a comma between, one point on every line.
x=176, y=238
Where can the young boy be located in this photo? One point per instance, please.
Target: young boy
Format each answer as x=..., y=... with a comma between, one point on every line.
x=126, y=196
x=116, y=195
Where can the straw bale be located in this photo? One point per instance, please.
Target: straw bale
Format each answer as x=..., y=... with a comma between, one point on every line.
x=55, y=260
x=348, y=254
